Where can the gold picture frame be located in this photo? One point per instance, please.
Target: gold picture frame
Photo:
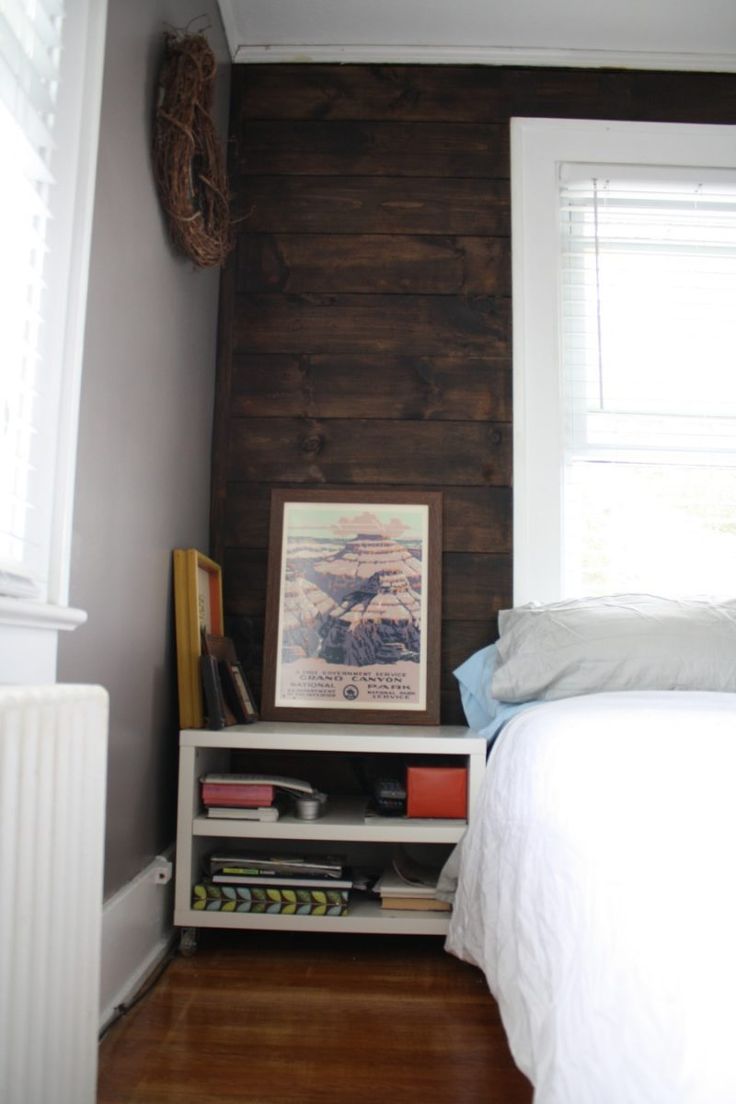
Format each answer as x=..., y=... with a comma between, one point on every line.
x=197, y=606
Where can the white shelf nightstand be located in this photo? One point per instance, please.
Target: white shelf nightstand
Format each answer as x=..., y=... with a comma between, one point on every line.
x=344, y=822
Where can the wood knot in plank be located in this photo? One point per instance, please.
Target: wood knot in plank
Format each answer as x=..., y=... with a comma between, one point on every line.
x=313, y=443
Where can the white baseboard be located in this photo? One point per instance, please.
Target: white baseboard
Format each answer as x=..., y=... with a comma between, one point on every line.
x=136, y=932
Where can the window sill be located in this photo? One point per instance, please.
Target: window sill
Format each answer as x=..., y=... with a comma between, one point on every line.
x=29, y=632
x=22, y=613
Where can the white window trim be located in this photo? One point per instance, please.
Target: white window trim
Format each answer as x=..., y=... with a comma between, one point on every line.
x=78, y=130
x=538, y=147
x=28, y=630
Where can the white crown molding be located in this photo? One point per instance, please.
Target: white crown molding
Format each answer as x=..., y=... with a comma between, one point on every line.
x=309, y=54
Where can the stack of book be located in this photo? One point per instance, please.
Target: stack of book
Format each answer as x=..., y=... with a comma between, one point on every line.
x=397, y=894
x=292, y=885
x=249, y=796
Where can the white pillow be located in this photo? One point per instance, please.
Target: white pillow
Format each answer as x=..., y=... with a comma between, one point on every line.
x=624, y=642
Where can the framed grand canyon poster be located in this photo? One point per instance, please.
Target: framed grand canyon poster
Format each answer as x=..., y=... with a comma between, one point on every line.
x=353, y=607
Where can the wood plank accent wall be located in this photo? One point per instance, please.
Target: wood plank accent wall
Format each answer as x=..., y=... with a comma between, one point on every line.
x=365, y=335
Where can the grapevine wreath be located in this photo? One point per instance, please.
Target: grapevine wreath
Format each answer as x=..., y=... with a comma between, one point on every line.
x=188, y=164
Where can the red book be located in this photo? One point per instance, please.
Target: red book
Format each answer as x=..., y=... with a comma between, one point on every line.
x=437, y=792
x=241, y=795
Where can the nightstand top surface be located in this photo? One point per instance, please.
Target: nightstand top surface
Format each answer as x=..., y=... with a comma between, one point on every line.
x=323, y=736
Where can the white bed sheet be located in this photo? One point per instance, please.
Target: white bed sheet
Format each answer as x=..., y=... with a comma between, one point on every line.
x=597, y=891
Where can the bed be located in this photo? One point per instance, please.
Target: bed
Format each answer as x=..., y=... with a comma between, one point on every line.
x=596, y=886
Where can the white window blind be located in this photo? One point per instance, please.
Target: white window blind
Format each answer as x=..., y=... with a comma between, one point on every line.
x=30, y=52
x=648, y=383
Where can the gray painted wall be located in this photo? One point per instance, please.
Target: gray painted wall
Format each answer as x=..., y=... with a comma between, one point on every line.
x=143, y=464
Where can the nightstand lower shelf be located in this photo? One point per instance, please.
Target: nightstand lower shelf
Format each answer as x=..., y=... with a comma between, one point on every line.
x=364, y=915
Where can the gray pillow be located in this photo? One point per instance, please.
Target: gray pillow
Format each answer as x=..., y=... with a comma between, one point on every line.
x=623, y=642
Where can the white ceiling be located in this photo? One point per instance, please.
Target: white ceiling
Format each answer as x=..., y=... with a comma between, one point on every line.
x=643, y=34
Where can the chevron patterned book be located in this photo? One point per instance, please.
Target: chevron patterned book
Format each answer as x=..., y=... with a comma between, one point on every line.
x=208, y=897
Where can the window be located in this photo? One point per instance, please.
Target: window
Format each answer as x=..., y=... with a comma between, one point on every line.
x=51, y=54
x=624, y=371
x=31, y=54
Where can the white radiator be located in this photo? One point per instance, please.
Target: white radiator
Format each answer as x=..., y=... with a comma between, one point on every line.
x=53, y=749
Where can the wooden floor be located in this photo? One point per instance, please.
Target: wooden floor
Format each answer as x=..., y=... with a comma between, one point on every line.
x=278, y=1018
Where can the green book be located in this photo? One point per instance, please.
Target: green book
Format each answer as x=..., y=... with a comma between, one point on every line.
x=208, y=897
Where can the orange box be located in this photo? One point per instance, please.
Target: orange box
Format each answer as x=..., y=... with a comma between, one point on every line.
x=437, y=792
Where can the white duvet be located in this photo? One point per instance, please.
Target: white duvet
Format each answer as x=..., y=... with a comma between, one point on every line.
x=597, y=892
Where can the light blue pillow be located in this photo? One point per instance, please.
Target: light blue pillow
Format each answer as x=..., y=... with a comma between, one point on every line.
x=475, y=676
x=484, y=713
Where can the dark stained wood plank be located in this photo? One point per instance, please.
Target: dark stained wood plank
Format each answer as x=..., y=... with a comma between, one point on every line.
x=351, y=148
x=460, y=639
x=411, y=387
x=247, y=516
x=246, y=634
x=682, y=97
x=478, y=519
x=409, y=92
x=623, y=94
x=468, y=95
x=244, y=578
x=419, y=325
x=451, y=707
x=321, y=1018
x=370, y=205
x=221, y=412
x=566, y=93
x=475, y=587
x=374, y=263
x=475, y=519
x=293, y=450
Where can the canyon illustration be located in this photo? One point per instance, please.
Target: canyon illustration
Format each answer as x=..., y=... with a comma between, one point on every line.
x=352, y=604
